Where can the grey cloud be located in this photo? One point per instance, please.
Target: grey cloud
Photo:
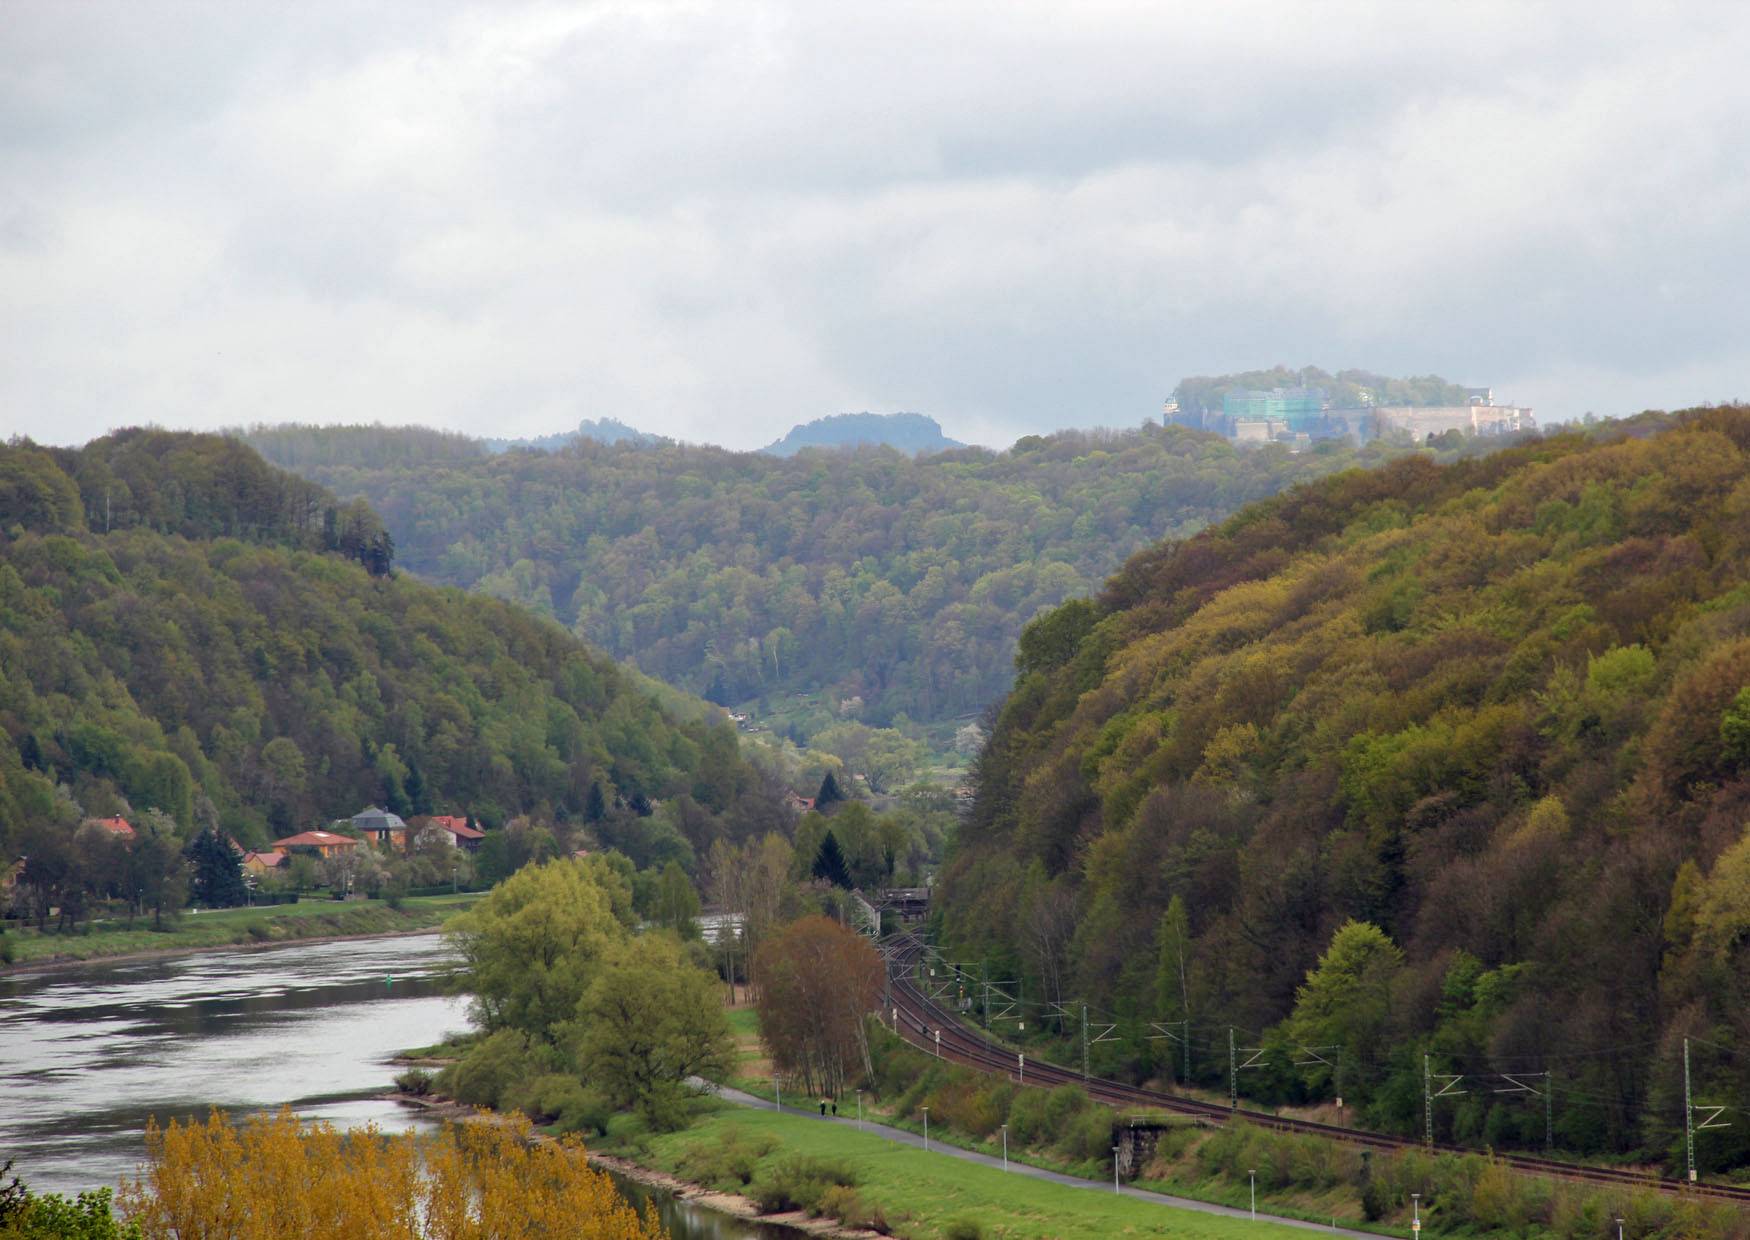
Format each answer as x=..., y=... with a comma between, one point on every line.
x=715, y=220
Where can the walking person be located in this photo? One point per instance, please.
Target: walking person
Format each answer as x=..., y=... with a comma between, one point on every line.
x=823, y=1108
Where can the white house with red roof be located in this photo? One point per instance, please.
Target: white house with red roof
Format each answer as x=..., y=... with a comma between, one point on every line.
x=455, y=831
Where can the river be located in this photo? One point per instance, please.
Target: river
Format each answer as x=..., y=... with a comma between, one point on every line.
x=88, y=1053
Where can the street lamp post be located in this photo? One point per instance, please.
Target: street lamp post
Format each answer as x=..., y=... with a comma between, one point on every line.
x=926, y=1128
x=859, y=1110
x=1114, y=1168
x=777, y=1093
x=1618, y=1229
x=1253, y=1172
x=1006, y=1153
x=1416, y=1215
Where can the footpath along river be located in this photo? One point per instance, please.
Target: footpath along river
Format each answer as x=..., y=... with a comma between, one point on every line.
x=88, y=1052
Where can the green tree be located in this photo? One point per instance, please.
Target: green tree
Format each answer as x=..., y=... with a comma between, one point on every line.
x=829, y=793
x=1346, y=1000
x=648, y=1023
x=677, y=902
x=216, y=871
x=829, y=863
x=154, y=869
x=531, y=948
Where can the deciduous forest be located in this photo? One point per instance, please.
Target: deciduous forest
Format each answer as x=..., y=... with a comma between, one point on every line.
x=186, y=629
x=1428, y=759
x=868, y=576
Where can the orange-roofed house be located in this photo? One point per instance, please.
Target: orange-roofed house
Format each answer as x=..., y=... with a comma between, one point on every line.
x=116, y=826
x=321, y=843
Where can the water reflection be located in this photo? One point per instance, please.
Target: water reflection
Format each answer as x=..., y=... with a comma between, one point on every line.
x=87, y=1054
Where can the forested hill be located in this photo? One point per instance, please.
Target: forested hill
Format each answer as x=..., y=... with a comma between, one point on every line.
x=858, y=574
x=1497, y=713
x=209, y=649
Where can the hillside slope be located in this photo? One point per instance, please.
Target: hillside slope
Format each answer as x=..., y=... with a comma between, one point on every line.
x=861, y=574
x=287, y=685
x=1499, y=710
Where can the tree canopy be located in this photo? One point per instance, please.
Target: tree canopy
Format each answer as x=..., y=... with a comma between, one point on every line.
x=1488, y=714
x=894, y=583
x=213, y=647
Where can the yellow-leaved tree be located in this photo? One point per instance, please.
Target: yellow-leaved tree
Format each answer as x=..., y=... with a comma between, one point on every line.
x=274, y=1176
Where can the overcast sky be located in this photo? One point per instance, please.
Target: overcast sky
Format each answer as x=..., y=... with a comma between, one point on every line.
x=716, y=220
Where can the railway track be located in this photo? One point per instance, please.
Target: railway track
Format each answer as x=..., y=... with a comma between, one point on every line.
x=917, y=1012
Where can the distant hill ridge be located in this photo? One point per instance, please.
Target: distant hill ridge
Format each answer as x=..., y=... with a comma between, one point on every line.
x=907, y=432
x=602, y=430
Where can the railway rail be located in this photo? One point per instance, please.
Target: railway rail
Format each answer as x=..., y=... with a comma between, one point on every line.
x=953, y=1040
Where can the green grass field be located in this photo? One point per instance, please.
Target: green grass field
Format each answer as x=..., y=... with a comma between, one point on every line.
x=922, y=1193
x=273, y=923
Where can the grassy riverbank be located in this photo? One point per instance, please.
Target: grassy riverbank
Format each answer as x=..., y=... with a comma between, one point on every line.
x=929, y=1195
x=277, y=923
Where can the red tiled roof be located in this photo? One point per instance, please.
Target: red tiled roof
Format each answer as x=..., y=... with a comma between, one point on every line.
x=272, y=858
x=314, y=839
x=457, y=827
x=115, y=826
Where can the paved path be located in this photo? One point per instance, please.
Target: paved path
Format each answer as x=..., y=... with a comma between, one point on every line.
x=903, y=1137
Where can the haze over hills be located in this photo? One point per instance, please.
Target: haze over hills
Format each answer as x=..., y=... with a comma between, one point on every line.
x=890, y=586
x=912, y=433
x=602, y=430
x=1495, y=713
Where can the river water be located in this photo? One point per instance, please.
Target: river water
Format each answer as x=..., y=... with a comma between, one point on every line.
x=88, y=1053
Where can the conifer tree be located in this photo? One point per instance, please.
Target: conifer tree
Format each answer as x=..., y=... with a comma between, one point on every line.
x=829, y=793
x=218, y=871
x=829, y=862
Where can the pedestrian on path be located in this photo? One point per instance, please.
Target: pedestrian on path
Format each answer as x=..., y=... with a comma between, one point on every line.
x=835, y=1108
x=823, y=1108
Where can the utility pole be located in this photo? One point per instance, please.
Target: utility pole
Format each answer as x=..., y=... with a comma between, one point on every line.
x=1084, y=1043
x=1549, y=1112
x=1688, y=1113
x=984, y=1008
x=1233, y=1073
x=1427, y=1103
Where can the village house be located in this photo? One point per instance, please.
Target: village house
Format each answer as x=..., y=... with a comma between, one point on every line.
x=317, y=843
x=382, y=828
x=115, y=826
x=455, y=831
x=259, y=863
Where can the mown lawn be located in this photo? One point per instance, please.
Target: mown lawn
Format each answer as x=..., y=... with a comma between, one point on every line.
x=922, y=1193
x=224, y=927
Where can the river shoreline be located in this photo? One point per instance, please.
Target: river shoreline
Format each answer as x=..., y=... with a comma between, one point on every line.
x=242, y=929
x=59, y=963
x=732, y=1204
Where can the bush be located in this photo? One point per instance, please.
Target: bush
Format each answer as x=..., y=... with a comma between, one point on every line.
x=731, y=1164
x=8, y=952
x=964, y=1228
x=546, y=1097
x=492, y=1067
x=799, y=1182
x=627, y=1130
x=590, y=1111
x=1087, y=1137
x=415, y=1081
x=849, y=1208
